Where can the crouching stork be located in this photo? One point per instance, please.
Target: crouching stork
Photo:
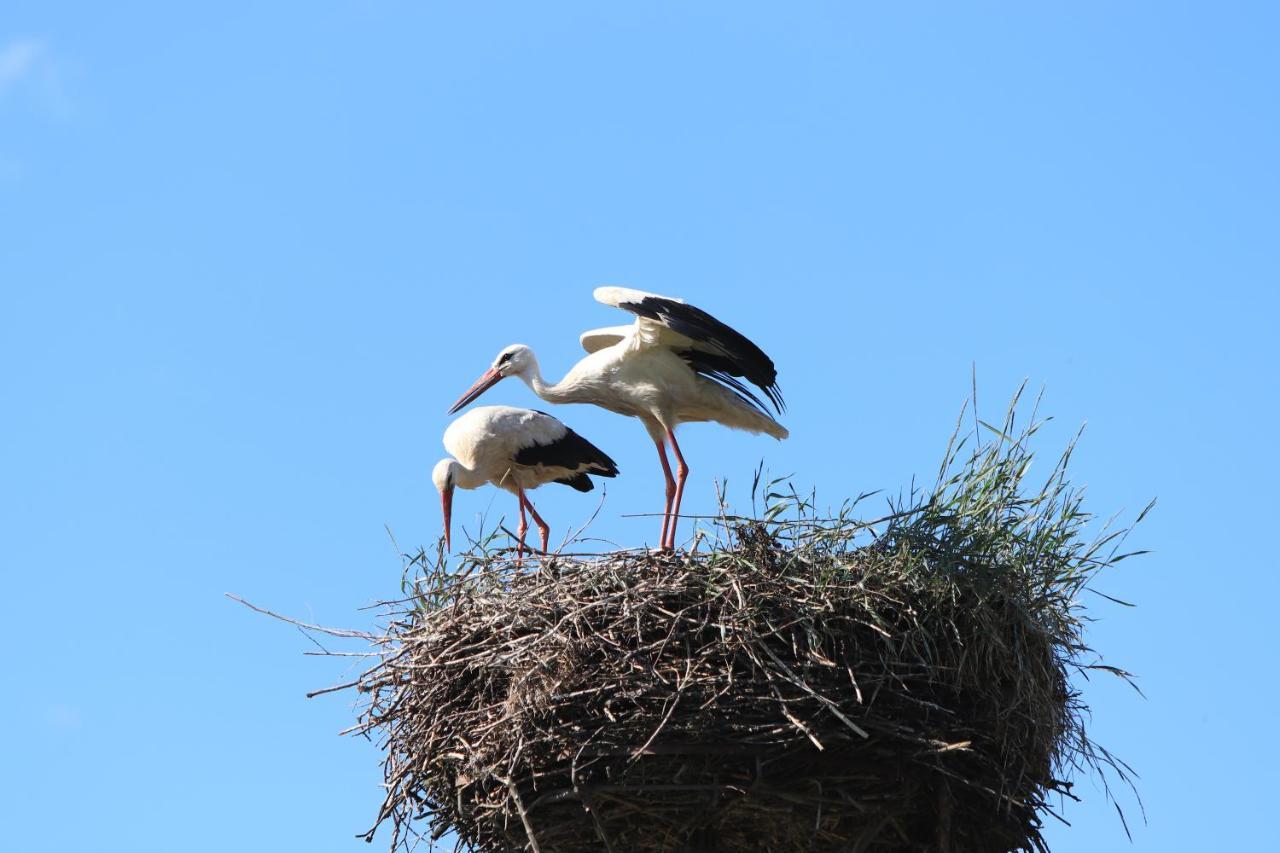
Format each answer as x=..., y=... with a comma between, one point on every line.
x=516, y=450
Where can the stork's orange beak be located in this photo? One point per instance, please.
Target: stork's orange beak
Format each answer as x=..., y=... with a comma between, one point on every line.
x=446, y=503
x=487, y=380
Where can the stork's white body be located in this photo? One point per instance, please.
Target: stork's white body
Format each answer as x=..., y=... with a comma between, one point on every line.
x=675, y=364
x=486, y=440
x=650, y=382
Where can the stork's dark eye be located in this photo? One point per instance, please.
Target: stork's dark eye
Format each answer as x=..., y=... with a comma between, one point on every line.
x=506, y=356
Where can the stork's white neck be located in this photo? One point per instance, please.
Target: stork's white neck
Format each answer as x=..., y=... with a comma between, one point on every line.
x=464, y=477
x=561, y=392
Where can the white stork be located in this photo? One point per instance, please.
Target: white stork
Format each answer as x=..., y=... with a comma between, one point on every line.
x=516, y=450
x=675, y=364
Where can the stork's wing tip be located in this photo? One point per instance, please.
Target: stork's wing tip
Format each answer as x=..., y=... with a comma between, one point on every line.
x=618, y=296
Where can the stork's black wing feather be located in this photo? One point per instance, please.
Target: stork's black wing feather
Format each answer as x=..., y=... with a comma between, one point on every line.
x=732, y=354
x=721, y=370
x=570, y=451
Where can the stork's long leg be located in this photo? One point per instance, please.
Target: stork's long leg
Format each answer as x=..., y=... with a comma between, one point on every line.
x=522, y=529
x=671, y=493
x=543, y=529
x=682, y=474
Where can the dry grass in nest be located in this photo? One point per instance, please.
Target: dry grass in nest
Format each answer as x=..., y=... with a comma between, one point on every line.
x=793, y=684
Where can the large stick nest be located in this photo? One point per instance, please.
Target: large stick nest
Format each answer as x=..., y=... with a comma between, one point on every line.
x=795, y=685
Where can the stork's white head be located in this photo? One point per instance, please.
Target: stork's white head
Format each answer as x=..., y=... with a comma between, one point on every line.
x=444, y=476
x=514, y=360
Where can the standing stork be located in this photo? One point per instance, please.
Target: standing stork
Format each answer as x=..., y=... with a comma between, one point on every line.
x=516, y=450
x=675, y=364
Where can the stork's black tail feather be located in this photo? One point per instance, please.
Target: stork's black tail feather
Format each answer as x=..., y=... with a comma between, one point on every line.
x=581, y=482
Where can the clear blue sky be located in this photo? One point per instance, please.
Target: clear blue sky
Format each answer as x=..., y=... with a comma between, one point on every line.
x=248, y=257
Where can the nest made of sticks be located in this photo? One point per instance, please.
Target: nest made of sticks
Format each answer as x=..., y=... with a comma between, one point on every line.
x=793, y=683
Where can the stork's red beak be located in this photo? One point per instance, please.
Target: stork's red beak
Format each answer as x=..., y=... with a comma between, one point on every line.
x=490, y=378
x=446, y=503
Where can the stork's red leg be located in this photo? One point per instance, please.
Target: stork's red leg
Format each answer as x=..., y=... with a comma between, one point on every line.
x=543, y=529
x=522, y=529
x=682, y=474
x=671, y=493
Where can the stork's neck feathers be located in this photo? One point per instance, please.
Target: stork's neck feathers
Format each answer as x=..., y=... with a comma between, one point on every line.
x=561, y=392
x=464, y=477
